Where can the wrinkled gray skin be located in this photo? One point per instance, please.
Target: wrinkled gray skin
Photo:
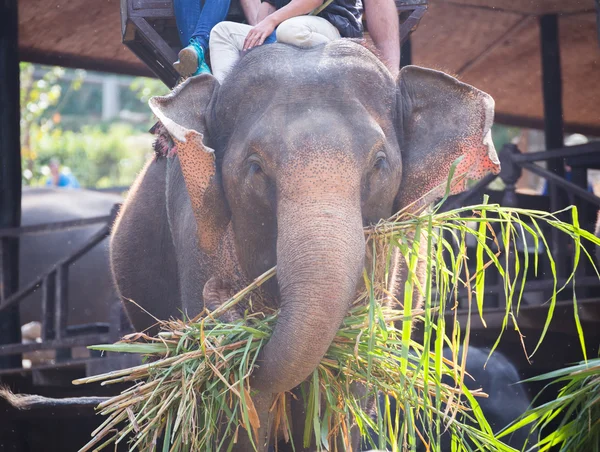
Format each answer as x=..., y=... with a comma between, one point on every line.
x=91, y=288
x=310, y=146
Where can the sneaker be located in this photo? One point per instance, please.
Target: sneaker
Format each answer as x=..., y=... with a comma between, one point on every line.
x=191, y=60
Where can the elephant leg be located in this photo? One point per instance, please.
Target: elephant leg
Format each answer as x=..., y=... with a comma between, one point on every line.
x=142, y=253
x=262, y=402
x=298, y=417
x=297, y=405
x=366, y=402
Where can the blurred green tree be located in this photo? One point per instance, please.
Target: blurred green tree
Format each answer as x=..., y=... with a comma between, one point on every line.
x=98, y=158
x=100, y=155
x=145, y=88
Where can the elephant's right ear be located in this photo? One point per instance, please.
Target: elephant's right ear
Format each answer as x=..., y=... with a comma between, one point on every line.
x=442, y=119
x=183, y=114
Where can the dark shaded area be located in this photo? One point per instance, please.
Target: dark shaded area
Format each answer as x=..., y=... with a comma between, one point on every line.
x=10, y=174
x=66, y=428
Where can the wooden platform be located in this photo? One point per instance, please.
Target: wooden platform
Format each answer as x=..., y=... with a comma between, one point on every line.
x=148, y=28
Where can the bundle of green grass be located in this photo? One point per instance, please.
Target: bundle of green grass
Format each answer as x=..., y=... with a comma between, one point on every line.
x=194, y=393
x=576, y=410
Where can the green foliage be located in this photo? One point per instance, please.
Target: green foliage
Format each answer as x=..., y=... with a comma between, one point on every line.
x=504, y=134
x=100, y=155
x=38, y=95
x=145, y=88
x=98, y=159
x=577, y=410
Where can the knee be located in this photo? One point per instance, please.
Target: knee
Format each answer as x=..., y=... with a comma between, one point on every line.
x=219, y=31
x=293, y=32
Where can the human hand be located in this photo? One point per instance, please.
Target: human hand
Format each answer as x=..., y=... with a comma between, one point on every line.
x=259, y=33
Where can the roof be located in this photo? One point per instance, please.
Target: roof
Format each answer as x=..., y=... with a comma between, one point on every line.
x=76, y=33
x=491, y=44
x=495, y=46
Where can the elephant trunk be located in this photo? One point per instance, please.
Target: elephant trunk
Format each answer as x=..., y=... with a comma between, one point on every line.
x=320, y=255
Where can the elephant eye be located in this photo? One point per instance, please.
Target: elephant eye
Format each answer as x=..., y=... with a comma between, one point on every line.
x=255, y=166
x=380, y=160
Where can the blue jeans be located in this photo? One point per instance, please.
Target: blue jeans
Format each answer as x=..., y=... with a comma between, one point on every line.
x=272, y=38
x=196, y=18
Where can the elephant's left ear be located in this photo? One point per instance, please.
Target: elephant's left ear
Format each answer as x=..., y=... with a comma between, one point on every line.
x=183, y=114
x=442, y=119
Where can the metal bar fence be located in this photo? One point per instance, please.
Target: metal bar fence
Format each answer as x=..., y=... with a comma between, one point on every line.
x=513, y=162
x=55, y=293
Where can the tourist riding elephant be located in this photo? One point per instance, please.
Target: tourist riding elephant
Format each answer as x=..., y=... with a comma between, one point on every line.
x=91, y=288
x=284, y=164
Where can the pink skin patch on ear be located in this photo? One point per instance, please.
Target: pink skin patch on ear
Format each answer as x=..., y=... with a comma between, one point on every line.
x=478, y=161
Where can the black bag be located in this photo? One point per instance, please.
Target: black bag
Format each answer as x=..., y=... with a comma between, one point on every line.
x=345, y=15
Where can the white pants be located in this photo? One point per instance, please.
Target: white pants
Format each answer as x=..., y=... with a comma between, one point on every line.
x=227, y=39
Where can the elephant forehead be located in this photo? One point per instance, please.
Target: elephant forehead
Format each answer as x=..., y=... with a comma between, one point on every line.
x=278, y=73
x=335, y=59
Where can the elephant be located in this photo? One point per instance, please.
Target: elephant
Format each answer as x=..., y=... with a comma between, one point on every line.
x=283, y=164
x=507, y=400
x=92, y=292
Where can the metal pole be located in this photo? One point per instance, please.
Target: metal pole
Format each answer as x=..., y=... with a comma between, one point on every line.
x=553, y=124
x=10, y=174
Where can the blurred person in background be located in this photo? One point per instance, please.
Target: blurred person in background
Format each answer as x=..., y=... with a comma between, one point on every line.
x=58, y=178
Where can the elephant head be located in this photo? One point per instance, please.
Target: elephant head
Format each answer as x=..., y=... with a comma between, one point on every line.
x=301, y=148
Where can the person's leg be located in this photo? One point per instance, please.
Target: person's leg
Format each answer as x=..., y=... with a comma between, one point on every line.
x=187, y=14
x=214, y=11
x=195, y=25
x=384, y=28
x=226, y=43
x=306, y=31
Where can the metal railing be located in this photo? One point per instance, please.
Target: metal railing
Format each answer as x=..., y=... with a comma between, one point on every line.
x=56, y=334
x=513, y=162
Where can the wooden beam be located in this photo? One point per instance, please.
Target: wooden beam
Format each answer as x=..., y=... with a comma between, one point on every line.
x=538, y=123
x=534, y=7
x=510, y=32
x=406, y=53
x=81, y=62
